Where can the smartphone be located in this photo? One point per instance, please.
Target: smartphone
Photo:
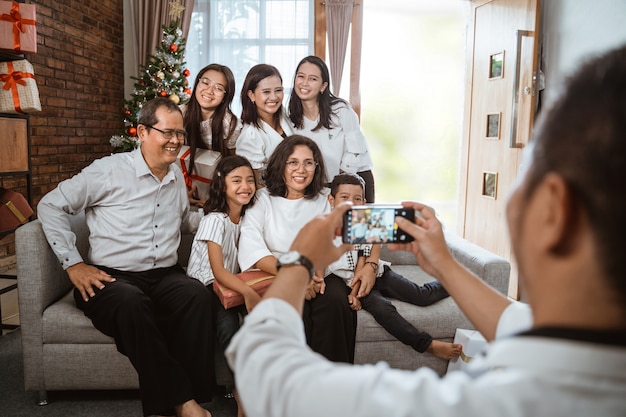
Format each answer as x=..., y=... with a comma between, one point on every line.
x=375, y=223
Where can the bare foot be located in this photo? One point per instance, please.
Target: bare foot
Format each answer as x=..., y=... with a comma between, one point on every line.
x=444, y=350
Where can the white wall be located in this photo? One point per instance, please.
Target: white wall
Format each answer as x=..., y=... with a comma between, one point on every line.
x=574, y=30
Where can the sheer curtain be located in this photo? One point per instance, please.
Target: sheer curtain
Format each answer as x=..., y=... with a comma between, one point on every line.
x=149, y=16
x=243, y=33
x=338, y=19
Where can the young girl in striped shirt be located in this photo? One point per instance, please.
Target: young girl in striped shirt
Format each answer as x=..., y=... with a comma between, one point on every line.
x=215, y=245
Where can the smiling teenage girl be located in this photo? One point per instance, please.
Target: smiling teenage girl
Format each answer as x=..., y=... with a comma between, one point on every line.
x=209, y=120
x=265, y=126
x=330, y=121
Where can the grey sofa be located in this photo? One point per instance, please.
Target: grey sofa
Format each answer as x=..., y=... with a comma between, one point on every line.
x=63, y=351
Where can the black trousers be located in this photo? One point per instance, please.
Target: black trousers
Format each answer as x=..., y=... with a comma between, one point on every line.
x=162, y=320
x=330, y=323
x=391, y=284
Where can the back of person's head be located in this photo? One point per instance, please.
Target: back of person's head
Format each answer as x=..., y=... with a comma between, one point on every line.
x=255, y=75
x=325, y=99
x=193, y=113
x=274, y=177
x=147, y=114
x=345, y=178
x=582, y=138
x=216, y=201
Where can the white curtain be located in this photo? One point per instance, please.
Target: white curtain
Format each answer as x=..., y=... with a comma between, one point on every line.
x=338, y=18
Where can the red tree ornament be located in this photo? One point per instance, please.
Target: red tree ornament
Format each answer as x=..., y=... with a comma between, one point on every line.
x=173, y=47
x=186, y=72
x=132, y=131
x=188, y=91
x=163, y=93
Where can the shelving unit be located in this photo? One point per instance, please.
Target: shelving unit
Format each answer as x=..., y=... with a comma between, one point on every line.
x=14, y=162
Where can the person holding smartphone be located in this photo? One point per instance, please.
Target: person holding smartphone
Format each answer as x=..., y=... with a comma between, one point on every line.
x=561, y=354
x=372, y=280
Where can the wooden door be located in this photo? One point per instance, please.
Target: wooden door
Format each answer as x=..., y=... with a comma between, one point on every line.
x=499, y=109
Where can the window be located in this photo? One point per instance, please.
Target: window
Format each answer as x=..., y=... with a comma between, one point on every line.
x=241, y=34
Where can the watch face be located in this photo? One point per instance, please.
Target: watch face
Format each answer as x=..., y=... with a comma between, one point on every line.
x=289, y=257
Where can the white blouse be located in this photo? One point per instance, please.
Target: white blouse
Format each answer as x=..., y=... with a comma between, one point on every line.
x=258, y=144
x=344, y=146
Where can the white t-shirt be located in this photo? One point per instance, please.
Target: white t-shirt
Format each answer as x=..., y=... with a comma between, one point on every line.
x=217, y=228
x=270, y=226
x=344, y=146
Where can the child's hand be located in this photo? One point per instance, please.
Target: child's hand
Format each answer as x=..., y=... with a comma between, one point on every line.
x=320, y=284
x=366, y=278
x=310, y=292
x=355, y=303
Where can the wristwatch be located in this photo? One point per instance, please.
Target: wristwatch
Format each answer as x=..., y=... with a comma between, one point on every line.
x=295, y=258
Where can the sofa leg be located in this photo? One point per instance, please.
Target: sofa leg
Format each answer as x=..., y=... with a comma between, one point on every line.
x=42, y=398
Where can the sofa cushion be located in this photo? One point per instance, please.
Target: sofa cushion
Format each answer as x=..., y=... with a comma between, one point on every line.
x=63, y=322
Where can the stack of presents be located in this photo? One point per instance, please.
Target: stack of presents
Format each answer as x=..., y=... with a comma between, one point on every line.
x=18, y=36
x=18, y=90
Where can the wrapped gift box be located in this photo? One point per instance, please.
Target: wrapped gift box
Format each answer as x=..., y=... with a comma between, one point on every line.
x=18, y=27
x=203, y=167
x=258, y=280
x=473, y=344
x=18, y=88
x=14, y=210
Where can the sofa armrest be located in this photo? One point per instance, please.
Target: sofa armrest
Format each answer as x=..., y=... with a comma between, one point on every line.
x=41, y=281
x=490, y=267
x=493, y=269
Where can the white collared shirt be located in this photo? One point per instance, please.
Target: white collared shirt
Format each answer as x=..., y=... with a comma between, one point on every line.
x=279, y=376
x=134, y=219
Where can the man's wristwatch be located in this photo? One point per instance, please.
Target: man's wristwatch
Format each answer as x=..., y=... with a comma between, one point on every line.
x=295, y=258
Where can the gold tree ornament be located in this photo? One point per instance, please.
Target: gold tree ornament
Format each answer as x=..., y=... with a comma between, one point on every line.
x=176, y=9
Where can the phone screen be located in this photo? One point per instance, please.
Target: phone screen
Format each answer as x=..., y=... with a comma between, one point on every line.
x=375, y=224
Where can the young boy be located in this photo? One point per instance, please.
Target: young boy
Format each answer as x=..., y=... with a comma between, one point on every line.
x=363, y=262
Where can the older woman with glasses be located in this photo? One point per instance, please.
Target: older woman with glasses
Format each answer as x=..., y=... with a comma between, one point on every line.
x=295, y=193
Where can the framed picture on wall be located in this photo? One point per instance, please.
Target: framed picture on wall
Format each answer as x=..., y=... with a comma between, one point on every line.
x=496, y=65
x=490, y=184
x=493, y=126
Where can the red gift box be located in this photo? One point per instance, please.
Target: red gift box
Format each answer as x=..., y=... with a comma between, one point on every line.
x=14, y=210
x=18, y=89
x=258, y=280
x=18, y=27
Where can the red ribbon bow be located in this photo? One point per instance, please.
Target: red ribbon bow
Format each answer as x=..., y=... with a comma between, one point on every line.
x=188, y=177
x=11, y=80
x=15, y=17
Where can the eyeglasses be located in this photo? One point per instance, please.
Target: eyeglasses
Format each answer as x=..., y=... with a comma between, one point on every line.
x=308, y=164
x=217, y=88
x=169, y=133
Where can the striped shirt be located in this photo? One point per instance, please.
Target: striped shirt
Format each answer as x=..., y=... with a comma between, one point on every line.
x=217, y=228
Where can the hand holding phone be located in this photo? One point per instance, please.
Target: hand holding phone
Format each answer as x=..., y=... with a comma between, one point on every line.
x=375, y=224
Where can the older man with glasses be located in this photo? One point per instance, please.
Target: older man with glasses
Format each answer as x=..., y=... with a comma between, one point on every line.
x=131, y=286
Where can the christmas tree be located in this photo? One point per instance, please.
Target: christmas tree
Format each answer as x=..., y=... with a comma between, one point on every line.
x=164, y=75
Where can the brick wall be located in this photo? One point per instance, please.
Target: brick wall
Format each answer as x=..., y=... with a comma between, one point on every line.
x=79, y=68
